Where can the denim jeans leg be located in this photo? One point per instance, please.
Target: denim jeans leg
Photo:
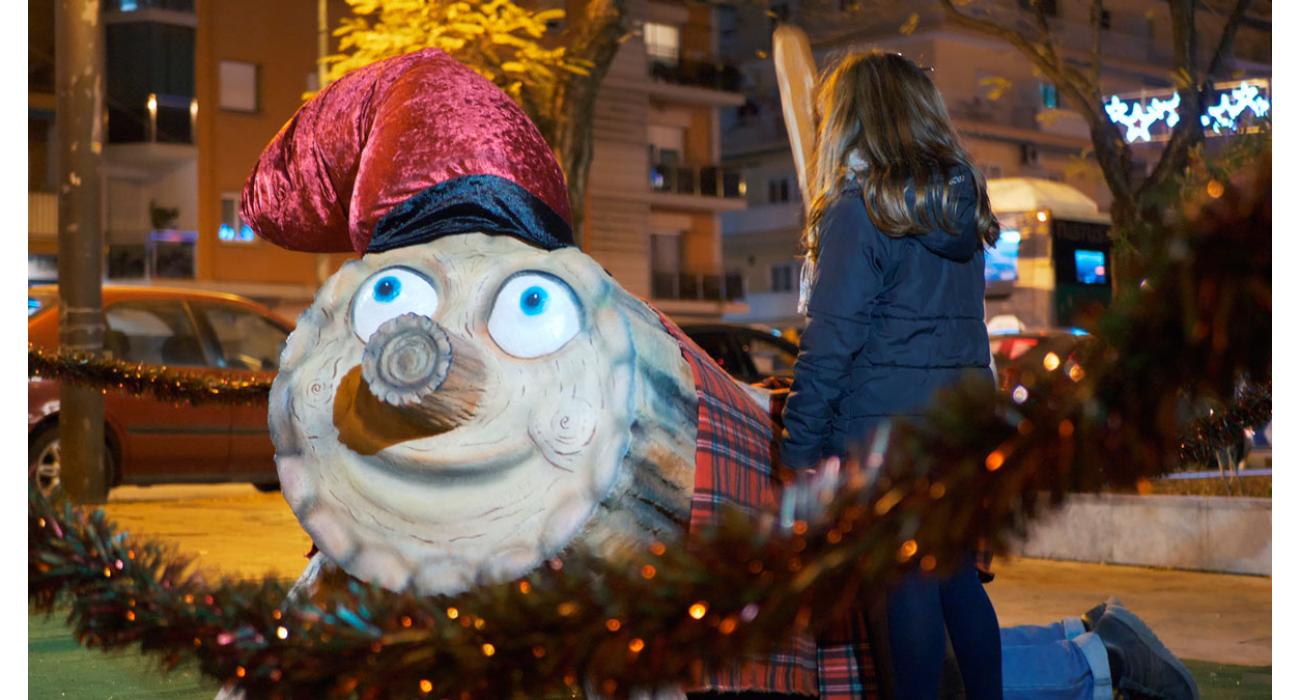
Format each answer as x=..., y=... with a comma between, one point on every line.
x=1054, y=662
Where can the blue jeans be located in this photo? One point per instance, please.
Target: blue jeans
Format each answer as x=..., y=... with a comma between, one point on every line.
x=1054, y=662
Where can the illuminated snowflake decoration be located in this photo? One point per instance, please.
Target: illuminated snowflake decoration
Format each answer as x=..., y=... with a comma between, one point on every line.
x=1139, y=115
x=1232, y=105
x=1138, y=118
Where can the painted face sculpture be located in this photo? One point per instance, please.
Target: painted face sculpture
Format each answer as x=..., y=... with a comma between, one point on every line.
x=474, y=393
x=456, y=412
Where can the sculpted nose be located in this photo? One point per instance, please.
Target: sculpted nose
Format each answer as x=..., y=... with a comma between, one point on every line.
x=415, y=380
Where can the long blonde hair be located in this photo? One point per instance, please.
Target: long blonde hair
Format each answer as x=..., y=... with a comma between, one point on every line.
x=882, y=121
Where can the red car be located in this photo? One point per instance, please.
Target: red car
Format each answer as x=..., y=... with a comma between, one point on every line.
x=151, y=441
x=1055, y=349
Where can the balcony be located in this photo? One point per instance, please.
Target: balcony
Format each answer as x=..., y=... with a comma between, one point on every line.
x=172, y=12
x=713, y=76
x=156, y=134
x=685, y=286
x=696, y=82
x=139, y=5
x=688, y=297
x=707, y=188
x=159, y=119
x=42, y=215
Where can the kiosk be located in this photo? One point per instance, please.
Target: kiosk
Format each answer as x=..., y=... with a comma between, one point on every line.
x=1053, y=259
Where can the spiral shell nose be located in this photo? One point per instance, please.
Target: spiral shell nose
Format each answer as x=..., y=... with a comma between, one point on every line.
x=407, y=357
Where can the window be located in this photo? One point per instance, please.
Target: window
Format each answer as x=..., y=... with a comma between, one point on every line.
x=784, y=276
x=719, y=347
x=770, y=358
x=778, y=190
x=246, y=340
x=153, y=332
x=662, y=42
x=1048, y=6
x=237, y=83
x=232, y=228
x=1049, y=94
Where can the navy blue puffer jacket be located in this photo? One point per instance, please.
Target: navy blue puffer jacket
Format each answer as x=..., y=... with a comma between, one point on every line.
x=890, y=321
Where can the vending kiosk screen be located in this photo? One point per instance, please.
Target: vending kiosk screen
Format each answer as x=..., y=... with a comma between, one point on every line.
x=1090, y=266
x=1000, y=260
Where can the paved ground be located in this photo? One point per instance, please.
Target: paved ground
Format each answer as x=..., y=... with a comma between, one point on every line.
x=1225, y=619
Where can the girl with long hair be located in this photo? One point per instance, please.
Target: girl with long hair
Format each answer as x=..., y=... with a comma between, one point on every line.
x=894, y=295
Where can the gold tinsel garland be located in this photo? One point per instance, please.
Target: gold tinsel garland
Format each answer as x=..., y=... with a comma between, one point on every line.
x=164, y=383
x=972, y=468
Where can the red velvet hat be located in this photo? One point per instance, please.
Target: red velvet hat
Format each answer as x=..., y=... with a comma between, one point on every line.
x=401, y=152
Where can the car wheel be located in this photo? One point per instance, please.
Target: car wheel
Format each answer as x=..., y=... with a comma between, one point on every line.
x=44, y=463
x=268, y=487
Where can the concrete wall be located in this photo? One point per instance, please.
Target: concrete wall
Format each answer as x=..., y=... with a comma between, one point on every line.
x=1222, y=534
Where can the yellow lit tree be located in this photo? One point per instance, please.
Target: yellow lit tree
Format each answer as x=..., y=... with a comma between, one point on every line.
x=553, y=74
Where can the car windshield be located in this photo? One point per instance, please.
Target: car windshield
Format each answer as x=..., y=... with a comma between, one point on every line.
x=38, y=300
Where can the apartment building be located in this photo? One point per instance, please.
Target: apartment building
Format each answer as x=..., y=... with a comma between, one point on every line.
x=196, y=88
x=657, y=188
x=1011, y=120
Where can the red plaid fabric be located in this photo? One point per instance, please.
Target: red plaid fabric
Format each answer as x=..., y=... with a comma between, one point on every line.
x=735, y=463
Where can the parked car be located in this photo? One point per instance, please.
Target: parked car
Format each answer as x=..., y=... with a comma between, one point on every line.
x=748, y=354
x=1014, y=351
x=152, y=441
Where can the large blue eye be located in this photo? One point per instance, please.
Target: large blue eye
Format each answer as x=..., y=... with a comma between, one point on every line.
x=534, y=314
x=388, y=294
x=387, y=288
x=533, y=301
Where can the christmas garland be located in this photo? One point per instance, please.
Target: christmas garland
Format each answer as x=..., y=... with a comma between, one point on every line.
x=166, y=384
x=1206, y=437
x=970, y=470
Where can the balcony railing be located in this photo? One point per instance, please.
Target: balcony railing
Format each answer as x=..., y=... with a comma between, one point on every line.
x=697, y=287
x=706, y=181
x=714, y=76
x=161, y=119
x=43, y=214
x=137, y=5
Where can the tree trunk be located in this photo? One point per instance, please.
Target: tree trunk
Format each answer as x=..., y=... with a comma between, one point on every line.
x=594, y=34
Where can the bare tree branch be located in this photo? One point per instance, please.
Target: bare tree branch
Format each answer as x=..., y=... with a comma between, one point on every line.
x=1113, y=153
x=1227, y=38
x=593, y=34
x=1189, y=131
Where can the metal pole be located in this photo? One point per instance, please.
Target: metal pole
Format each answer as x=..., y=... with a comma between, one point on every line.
x=79, y=58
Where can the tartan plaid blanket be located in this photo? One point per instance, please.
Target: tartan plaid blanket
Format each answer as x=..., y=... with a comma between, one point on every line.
x=736, y=463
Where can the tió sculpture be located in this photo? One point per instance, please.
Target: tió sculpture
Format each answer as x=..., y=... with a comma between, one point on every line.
x=474, y=394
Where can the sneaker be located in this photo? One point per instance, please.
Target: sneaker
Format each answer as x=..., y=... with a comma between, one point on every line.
x=1091, y=617
x=1149, y=670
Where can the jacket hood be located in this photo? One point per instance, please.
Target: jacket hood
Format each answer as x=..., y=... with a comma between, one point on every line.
x=959, y=246
x=962, y=244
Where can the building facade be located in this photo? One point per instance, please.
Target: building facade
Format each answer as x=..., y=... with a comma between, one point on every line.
x=196, y=88
x=1012, y=121
x=657, y=186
